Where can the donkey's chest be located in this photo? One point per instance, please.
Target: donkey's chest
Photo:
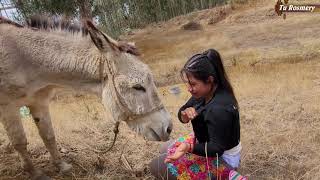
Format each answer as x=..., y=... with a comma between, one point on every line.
x=11, y=92
x=12, y=85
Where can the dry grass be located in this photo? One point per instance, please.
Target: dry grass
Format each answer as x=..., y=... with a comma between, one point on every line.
x=275, y=75
x=279, y=107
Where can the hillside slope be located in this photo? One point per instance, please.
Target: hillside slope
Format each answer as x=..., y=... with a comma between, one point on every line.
x=273, y=65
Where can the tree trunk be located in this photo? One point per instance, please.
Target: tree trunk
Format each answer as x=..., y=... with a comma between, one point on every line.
x=85, y=9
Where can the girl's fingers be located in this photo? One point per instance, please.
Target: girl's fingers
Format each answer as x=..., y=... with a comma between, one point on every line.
x=168, y=159
x=185, y=114
x=194, y=112
x=191, y=115
x=188, y=111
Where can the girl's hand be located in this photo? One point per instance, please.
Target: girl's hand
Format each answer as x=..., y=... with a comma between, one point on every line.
x=188, y=114
x=180, y=151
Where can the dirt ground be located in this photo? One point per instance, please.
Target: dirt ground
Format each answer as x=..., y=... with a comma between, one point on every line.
x=274, y=67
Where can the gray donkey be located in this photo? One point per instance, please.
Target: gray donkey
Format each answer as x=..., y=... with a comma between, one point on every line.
x=34, y=61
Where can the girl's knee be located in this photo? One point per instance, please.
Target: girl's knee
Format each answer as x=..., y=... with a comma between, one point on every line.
x=164, y=147
x=159, y=169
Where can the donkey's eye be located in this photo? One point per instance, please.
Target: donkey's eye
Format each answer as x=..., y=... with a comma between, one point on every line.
x=139, y=88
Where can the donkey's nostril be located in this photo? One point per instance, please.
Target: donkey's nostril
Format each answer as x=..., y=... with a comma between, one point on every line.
x=169, y=129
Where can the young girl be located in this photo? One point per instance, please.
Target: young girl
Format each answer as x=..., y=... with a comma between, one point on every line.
x=212, y=150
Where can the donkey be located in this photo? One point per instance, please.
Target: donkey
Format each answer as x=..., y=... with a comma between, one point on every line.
x=35, y=61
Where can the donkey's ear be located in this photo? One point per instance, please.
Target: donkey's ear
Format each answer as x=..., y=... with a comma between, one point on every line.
x=102, y=42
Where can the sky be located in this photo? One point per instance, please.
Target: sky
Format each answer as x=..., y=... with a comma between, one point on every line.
x=8, y=12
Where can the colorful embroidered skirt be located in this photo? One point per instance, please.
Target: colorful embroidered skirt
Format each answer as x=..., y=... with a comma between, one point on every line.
x=194, y=167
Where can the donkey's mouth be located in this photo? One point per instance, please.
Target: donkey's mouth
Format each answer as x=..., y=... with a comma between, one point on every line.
x=155, y=135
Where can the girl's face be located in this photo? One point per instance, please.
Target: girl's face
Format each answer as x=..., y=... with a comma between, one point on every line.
x=198, y=88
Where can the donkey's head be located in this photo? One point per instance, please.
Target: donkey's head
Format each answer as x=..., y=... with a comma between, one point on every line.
x=128, y=88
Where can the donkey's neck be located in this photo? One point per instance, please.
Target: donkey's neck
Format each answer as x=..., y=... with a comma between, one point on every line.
x=66, y=54
x=51, y=58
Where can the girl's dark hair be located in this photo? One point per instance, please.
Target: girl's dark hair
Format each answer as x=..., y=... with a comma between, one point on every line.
x=208, y=63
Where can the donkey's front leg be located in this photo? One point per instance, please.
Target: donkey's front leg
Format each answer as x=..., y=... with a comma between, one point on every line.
x=13, y=125
x=41, y=116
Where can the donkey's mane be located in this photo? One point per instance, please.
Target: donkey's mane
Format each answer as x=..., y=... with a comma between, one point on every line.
x=56, y=23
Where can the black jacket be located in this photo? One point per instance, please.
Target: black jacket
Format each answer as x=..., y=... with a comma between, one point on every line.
x=217, y=124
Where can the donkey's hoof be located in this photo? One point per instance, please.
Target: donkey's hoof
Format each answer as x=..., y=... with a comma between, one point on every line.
x=65, y=167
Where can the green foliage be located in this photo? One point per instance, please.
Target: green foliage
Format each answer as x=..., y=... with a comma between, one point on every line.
x=30, y=7
x=116, y=16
